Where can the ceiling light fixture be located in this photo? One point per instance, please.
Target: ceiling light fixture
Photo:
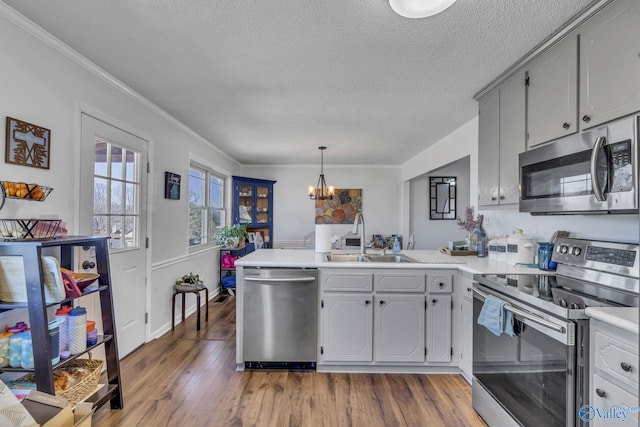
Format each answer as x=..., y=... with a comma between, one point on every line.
x=419, y=8
x=321, y=191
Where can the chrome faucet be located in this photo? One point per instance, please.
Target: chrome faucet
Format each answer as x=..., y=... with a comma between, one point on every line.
x=360, y=220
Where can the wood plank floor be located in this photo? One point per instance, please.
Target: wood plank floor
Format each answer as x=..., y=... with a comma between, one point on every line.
x=188, y=379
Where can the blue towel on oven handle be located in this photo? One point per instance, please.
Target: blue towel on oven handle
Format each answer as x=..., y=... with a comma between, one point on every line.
x=495, y=318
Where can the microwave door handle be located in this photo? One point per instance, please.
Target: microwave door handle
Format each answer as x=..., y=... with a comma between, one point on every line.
x=597, y=190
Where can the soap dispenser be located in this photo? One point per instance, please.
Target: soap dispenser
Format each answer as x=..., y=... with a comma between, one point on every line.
x=396, y=246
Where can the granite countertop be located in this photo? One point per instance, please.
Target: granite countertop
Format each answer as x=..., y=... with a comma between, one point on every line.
x=429, y=259
x=621, y=317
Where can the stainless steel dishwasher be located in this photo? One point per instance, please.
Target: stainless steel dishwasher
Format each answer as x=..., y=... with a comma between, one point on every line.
x=280, y=317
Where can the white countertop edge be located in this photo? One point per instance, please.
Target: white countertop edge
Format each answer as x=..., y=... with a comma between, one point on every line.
x=625, y=318
x=427, y=259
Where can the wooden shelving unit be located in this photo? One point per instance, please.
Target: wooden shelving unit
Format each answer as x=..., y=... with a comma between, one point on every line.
x=31, y=250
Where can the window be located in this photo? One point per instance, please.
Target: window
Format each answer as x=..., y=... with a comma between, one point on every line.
x=206, y=205
x=116, y=199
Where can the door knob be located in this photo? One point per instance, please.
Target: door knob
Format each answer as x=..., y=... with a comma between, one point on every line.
x=367, y=302
x=434, y=301
x=586, y=118
x=381, y=302
x=625, y=367
x=88, y=265
x=566, y=125
x=600, y=393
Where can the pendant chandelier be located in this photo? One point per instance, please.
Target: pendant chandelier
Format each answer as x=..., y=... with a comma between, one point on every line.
x=321, y=191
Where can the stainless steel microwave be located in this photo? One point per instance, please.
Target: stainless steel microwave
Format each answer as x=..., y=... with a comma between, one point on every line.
x=592, y=172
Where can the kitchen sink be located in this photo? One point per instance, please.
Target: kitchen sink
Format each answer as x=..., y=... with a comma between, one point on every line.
x=368, y=258
x=390, y=258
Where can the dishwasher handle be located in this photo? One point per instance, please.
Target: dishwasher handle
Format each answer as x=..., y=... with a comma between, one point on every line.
x=302, y=279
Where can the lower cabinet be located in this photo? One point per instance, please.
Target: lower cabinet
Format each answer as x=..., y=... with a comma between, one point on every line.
x=399, y=328
x=396, y=321
x=439, y=328
x=347, y=324
x=614, y=369
x=465, y=361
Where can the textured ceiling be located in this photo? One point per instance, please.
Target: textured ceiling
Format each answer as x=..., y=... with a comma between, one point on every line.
x=269, y=81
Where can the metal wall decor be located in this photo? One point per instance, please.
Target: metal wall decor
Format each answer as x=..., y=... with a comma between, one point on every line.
x=171, y=186
x=27, y=144
x=442, y=197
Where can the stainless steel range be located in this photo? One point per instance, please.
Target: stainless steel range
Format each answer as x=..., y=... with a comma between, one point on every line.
x=540, y=375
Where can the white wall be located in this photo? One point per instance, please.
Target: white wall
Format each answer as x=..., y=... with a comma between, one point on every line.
x=433, y=234
x=43, y=82
x=294, y=213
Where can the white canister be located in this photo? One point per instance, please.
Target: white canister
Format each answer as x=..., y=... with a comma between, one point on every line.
x=492, y=248
x=501, y=249
x=77, y=330
x=520, y=248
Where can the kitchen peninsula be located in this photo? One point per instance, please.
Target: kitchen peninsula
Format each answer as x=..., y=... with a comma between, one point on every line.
x=383, y=316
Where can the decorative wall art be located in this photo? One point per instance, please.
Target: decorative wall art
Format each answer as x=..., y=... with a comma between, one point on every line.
x=27, y=144
x=342, y=209
x=442, y=197
x=171, y=186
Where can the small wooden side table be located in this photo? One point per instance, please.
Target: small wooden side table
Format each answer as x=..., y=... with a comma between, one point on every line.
x=184, y=290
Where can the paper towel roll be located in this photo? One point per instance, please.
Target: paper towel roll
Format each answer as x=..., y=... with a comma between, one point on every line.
x=323, y=237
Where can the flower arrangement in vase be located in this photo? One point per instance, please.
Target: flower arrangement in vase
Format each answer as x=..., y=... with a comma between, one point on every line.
x=470, y=223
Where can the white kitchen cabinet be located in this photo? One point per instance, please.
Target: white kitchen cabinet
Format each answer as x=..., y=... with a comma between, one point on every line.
x=552, y=93
x=501, y=138
x=399, y=328
x=347, y=321
x=466, y=325
x=439, y=328
x=440, y=282
x=610, y=64
x=614, y=371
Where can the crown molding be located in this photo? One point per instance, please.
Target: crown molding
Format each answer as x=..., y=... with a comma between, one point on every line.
x=58, y=45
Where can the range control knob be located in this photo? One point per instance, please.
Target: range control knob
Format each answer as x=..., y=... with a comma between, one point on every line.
x=564, y=249
x=563, y=302
x=576, y=251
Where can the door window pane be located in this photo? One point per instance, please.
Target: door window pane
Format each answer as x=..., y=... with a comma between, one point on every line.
x=116, y=204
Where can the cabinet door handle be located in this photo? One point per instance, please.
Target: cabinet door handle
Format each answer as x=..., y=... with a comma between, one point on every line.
x=625, y=367
x=502, y=197
x=434, y=301
x=382, y=302
x=441, y=284
x=367, y=302
x=600, y=393
x=566, y=125
x=494, y=198
x=468, y=289
x=586, y=118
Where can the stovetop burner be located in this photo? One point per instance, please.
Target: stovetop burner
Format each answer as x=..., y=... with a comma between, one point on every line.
x=564, y=297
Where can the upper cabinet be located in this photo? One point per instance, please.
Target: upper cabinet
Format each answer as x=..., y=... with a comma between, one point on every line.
x=501, y=137
x=610, y=64
x=253, y=205
x=566, y=94
x=552, y=93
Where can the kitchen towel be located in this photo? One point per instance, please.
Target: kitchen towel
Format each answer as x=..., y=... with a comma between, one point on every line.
x=495, y=318
x=323, y=237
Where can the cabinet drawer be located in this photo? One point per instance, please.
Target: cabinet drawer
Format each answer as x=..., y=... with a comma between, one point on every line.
x=604, y=397
x=616, y=359
x=347, y=281
x=440, y=282
x=399, y=282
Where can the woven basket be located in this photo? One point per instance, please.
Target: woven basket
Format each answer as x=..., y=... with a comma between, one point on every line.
x=83, y=388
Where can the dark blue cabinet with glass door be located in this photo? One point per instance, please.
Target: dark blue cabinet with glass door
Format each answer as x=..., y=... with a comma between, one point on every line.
x=253, y=205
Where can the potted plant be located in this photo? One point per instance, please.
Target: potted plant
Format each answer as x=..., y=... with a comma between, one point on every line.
x=232, y=236
x=189, y=281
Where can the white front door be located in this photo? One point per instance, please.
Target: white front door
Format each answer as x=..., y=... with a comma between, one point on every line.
x=113, y=193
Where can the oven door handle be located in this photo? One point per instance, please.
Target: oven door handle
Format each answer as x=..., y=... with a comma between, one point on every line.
x=528, y=316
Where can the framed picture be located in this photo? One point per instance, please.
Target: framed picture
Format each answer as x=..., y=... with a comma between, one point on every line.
x=27, y=144
x=171, y=186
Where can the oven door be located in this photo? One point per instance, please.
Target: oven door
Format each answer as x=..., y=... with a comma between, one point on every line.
x=527, y=379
